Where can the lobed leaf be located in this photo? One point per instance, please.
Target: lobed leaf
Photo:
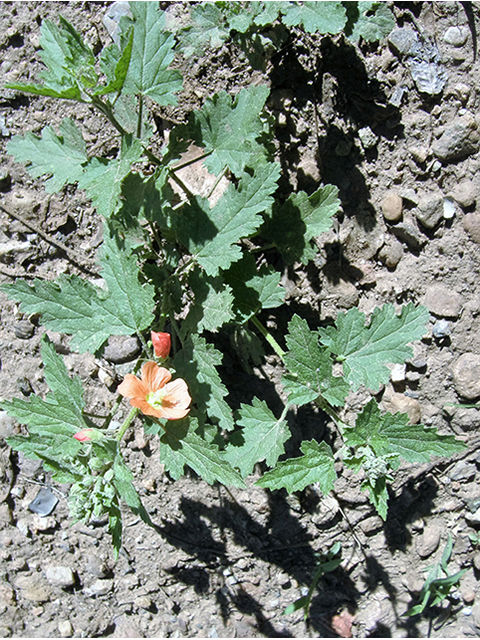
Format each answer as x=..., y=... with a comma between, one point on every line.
x=212, y=234
x=317, y=465
x=390, y=434
x=263, y=437
x=60, y=156
x=196, y=362
x=371, y=21
x=365, y=350
x=181, y=446
x=152, y=53
x=312, y=364
x=212, y=305
x=322, y=17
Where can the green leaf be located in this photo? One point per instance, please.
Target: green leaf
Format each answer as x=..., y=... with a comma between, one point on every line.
x=297, y=392
x=196, y=363
x=69, y=93
x=312, y=363
x=253, y=289
x=378, y=494
x=181, y=446
x=212, y=306
x=211, y=235
x=52, y=422
x=371, y=21
x=300, y=219
x=60, y=156
x=364, y=350
x=317, y=465
x=230, y=131
x=324, y=17
x=390, y=433
x=152, y=53
x=114, y=65
x=89, y=313
x=205, y=26
x=123, y=482
x=102, y=179
x=263, y=438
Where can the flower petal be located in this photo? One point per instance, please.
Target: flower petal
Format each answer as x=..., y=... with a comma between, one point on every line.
x=132, y=387
x=162, y=343
x=154, y=377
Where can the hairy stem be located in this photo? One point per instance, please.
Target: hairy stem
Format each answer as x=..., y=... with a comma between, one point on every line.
x=127, y=423
x=268, y=337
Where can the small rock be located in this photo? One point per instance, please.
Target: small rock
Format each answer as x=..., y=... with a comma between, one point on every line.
x=112, y=16
x=44, y=502
x=99, y=588
x=476, y=561
x=143, y=602
x=22, y=526
x=448, y=208
x=471, y=224
x=466, y=376
x=43, y=523
x=367, y=138
x=60, y=576
x=24, y=329
x=473, y=518
x=392, y=205
x=443, y=302
x=371, y=526
x=397, y=373
x=428, y=542
x=402, y=40
x=462, y=470
x=7, y=424
x=32, y=588
x=105, y=378
x=465, y=193
x=419, y=359
x=391, y=253
x=409, y=234
x=441, y=329
x=97, y=566
x=419, y=153
x=65, y=628
x=399, y=403
x=430, y=210
x=462, y=92
x=456, y=36
x=121, y=349
x=458, y=140
x=326, y=511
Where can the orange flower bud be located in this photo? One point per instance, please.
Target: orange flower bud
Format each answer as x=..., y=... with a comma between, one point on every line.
x=84, y=435
x=161, y=343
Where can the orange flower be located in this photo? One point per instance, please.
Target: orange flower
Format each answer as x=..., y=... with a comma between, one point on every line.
x=161, y=343
x=155, y=395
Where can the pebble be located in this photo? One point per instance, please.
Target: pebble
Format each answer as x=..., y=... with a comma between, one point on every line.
x=392, y=206
x=473, y=519
x=458, y=140
x=32, y=588
x=13, y=247
x=419, y=358
x=97, y=566
x=371, y=526
x=121, y=349
x=466, y=376
x=441, y=329
x=402, y=40
x=5, y=514
x=471, y=224
x=430, y=210
x=99, y=588
x=428, y=542
x=391, y=253
x=367, y=138
x=43, y=523
x=44, y=502
x=400, y=403
x=60, y=576
x=7, y=424
x=462, y=92
x=409, y=234
x=462, y=470
x=476, y=561
x=397, y=373
x=465, y=193
x=326, y=511
x=22, y=526
x=456, y=36
x=419, y=153
x=65, y=628
x=443, y=302
x=448, y=208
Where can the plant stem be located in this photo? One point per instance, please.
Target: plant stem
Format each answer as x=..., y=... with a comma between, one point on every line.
x=140, y=115
x=187, y=163
x=126, y=424
x=268, y=337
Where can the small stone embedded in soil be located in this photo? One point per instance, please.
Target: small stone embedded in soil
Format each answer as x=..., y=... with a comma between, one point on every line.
x=448, y=208
x=441, y=329
x=466, y=376
x=400, y=403
x=65, y=628
x=98, y=588
x=456, y=36
x=462, y=470
x=392, y=205
x=402, y=40
x=428, y=542
x=391, y=253
x=471, y=224
x=60, y=576
x=32, y=588
x=44, y=502
x=443, y=302
x=7, y=424
x=121, y=349
x=409, y=234
x=43, y=523
x=465, y=193
x=371, y=526
x=367, y=138
x=430, y=210
x=459, y=140
x=397, y=373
